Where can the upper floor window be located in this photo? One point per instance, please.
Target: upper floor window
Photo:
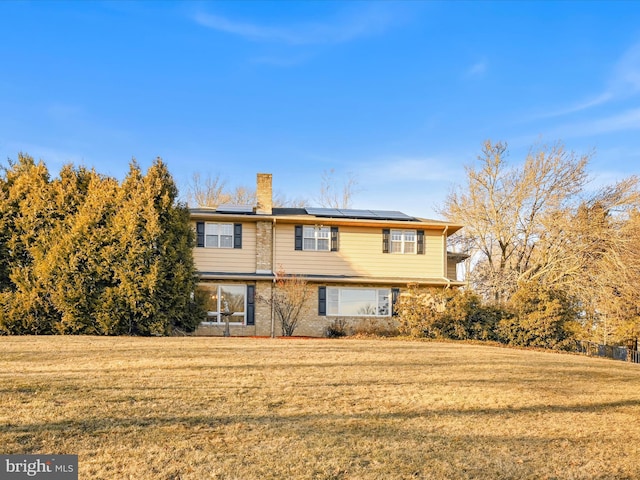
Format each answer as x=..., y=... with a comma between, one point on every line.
x=218, y=235
x=316, y=238
x=403, y=241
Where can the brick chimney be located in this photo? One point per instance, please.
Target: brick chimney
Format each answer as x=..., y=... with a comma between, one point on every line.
x=264, y=194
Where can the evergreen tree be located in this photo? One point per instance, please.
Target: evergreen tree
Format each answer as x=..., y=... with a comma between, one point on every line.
x=84, y=254
x=172, y=253
x=28, y=222
x=83, y=268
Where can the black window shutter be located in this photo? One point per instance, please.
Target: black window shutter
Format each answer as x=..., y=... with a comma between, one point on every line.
x=386, y=234
x=251, y=304
x=395, y=293
x=322, y=301
x=334, y=239
x=237, y=235
x=298, y=230
x=199, y=234
x=420, y=242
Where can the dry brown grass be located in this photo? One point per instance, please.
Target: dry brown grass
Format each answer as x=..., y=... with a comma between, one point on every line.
x=199, y=408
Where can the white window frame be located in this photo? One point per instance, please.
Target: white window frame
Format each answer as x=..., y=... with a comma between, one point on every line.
x=314, y=238
x=336, y=301
x=402, y=244
x=223, y=239
x=215, y=317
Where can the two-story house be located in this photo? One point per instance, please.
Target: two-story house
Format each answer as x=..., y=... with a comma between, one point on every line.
x=355, y=262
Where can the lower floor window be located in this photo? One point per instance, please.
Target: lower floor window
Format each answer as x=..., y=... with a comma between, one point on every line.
x=358, y=302
x=224, y=300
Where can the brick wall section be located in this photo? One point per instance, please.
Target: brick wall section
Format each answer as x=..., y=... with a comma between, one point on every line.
x=310, y=323
x=264, y=247
x=263, y=194
x=218, y=331
x=313, y=325
x=263, y=310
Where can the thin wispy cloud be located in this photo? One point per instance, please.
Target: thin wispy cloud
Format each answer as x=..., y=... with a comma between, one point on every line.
x=342, y=28
x=244, y=29
x=626, y=75
x=388, y=184
x=613, y=164
x=478, y=69
x=64, y=112
x=406, y=169
x=55, y=157
x=600, y=178
x=578, y=107
x=625, y=121
x=280, y=61
x=624, y=81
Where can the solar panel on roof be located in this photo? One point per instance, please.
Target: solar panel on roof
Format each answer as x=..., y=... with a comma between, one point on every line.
x=392, y=215
x=350, y=212
x=229, y=208
x=356, y=213
x=324, y=212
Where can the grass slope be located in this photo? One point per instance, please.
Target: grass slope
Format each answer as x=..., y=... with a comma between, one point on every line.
x=230, y=408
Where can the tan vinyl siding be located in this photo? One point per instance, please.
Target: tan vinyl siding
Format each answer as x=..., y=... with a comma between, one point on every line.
x=229, y=260
x=360, y=254
x=452, y=271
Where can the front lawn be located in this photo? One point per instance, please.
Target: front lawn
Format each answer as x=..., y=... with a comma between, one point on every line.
x=232, y=408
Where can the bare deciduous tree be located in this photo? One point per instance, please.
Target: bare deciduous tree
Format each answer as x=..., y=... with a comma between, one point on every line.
x=539, y=225
x=612, y=284
x=506, y=210
x=333, y=197
x=206, y=192
x=281, y=200
x=242, y=196
x=213, y=191
x=288, y=300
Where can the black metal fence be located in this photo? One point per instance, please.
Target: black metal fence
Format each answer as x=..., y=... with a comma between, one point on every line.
x=608, y=351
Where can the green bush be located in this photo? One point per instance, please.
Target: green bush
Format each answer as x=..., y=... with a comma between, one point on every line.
x=539, y=317
x=446, y=313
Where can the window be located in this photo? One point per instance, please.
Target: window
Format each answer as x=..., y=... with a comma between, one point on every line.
x=220, y=300
x=358, y=302
x=218, y=235
x=316, y=238
x=403, y=241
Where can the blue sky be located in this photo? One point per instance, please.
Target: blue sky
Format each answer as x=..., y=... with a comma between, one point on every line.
x=401, y=94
